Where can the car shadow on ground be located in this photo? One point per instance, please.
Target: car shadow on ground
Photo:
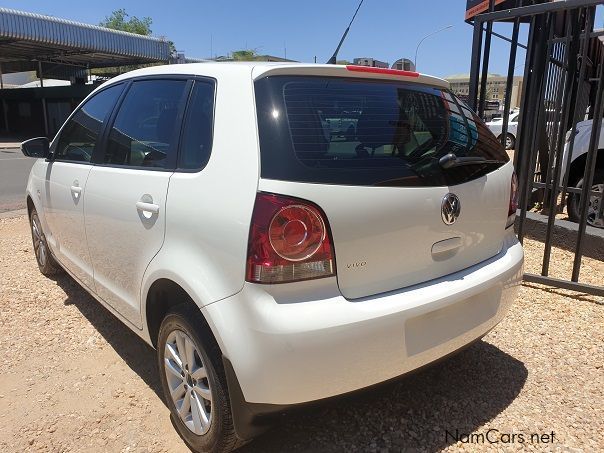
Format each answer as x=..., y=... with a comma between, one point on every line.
x=424, y=410
x=137, y=354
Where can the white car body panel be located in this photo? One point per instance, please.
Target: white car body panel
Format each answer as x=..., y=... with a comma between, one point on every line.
x=302, y=341
x=288, y=349
x=397, y=251
x=63, y=207
x=209, y=211
x=134, y=235
x=581, y=142
x=496, y=126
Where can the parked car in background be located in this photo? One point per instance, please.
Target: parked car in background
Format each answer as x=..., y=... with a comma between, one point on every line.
x=496, y=127
x=577, y=168
x=272, y=264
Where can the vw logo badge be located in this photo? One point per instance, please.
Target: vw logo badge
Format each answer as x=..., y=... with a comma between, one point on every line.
x=450, y=208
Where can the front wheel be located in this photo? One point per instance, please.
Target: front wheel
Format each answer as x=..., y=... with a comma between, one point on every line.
x=593, y=209
x=46, y=263
x=510, y=141
x=194, y=383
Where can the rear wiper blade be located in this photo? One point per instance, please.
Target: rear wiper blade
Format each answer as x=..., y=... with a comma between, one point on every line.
x=451, y=161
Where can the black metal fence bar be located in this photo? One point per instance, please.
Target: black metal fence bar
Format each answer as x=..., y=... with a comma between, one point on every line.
x=475, y=67
x=534, y=10
x=563, y=64
x=504, y=38
x=590, y=169
x=510, y=80
x=564, y=284
x=534, y=111
x=572, y=31
x=525, y=94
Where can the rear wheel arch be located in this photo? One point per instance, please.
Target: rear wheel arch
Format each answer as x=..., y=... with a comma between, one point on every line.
x=163, y=295
x=577, y=167
x=30, y=205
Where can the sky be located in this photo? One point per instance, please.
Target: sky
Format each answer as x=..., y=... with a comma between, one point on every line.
x=302, y=30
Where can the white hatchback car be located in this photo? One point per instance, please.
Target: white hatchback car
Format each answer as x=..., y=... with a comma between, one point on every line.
x=496, y=127
x=580, y=146
x=270, y=262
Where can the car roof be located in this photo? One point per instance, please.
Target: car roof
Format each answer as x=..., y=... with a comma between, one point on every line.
x=258, y=69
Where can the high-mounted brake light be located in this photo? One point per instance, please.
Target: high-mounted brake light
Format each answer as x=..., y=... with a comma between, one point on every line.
x=513, y=207
x=397, y=72
x=288, y=241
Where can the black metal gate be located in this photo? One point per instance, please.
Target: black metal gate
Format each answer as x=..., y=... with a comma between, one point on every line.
x=563, y=84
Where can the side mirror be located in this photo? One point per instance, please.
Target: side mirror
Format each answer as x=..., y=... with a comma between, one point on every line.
x=36, y=147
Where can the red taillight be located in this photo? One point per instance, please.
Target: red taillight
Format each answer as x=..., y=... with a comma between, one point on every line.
x=288, y=241
x=513, y=206
x=382, y=71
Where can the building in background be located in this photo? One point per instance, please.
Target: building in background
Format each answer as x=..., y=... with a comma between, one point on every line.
x=368, y=61
x=496, y=85
x=34, y=46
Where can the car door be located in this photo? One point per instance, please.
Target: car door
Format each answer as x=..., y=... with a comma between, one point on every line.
x=126, y=191
x=513, y=124
x=65, y=182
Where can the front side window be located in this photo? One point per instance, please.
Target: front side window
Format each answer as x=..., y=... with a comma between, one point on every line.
x=79, y=136
x=144, y=131
x=196, y=142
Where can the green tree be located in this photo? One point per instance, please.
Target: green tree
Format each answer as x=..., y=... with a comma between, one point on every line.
x=344, y=62
x=244, y=55
x=121, y=20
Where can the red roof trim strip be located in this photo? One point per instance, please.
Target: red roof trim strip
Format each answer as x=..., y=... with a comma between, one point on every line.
x=382, y=71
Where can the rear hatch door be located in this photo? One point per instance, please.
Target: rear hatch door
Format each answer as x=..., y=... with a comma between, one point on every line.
x=397, y=217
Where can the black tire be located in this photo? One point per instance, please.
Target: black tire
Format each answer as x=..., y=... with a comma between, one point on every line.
x=220, y=436
x=46, y=262
x=512, y=141
x=574, y=205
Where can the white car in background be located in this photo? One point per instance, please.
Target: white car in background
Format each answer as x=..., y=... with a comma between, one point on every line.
x=271, y=264
x=577, y=167
x=496, y=127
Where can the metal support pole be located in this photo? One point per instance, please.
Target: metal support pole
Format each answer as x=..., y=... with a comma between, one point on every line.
x=485, y=70
x=475, y=68
x=524, y=96
x=1, y=79
x=533, y=113
x=44, y=112
x=510, y=81
x=590, y=169
x=485, y=63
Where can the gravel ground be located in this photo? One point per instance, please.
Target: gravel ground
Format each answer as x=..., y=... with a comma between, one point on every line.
x=72, y=378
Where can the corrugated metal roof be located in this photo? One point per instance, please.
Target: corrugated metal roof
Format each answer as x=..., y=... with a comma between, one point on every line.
x=27, y=36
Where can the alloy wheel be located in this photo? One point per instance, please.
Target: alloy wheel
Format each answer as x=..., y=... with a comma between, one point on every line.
x=39, y=240
x=188, y=382
x=508, y=142
x=593, y=210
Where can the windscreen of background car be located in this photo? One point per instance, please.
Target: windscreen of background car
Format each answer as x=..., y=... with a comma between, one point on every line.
x=365, y=132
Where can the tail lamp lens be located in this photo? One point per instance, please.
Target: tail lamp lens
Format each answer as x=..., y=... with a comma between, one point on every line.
x=288, y=241
x=513, y=207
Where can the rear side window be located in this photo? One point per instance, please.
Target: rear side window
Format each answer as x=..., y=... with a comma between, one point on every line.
x=78, y=138
x=196, y=139
x=145, y=129
x=365, y=132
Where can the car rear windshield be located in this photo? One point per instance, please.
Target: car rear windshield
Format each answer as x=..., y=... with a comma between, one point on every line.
x=368, y=132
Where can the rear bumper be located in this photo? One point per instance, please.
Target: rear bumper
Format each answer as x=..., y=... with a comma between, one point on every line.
x=285, y=351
